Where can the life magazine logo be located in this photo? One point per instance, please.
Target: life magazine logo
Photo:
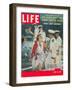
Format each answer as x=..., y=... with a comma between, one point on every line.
x=27, y=18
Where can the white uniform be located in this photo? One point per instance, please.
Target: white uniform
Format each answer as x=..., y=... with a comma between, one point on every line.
x=58, y=51
x=53, y=47
x=36, y=32
x=43, y=35
x=58, y=42
x=49, y=63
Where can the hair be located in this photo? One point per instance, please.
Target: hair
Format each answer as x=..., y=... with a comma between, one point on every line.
x=38, y=37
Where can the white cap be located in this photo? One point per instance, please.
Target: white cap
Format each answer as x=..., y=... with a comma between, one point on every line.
x=51, y=31
x=57, y=31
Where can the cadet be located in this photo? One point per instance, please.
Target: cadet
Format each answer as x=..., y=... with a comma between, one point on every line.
x=58, y=48
x=41, y=31
x=51, y=57
x=36, y=32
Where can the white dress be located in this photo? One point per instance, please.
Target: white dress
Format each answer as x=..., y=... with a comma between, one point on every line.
x=39, y=58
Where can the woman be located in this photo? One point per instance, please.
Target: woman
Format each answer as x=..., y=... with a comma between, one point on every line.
x=38, y=56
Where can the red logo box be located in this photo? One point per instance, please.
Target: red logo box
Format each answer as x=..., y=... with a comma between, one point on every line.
x=27, y=18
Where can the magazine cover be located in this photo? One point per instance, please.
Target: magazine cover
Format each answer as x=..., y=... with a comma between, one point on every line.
x=41, y=44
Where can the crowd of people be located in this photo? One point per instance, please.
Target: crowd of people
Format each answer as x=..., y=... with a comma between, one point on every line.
x=46, y=53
